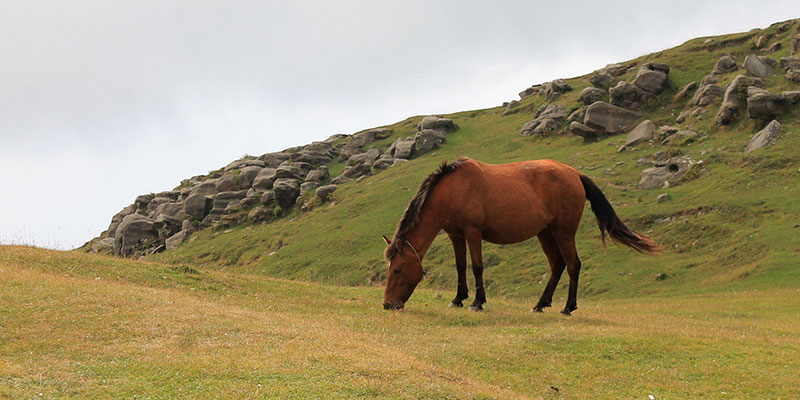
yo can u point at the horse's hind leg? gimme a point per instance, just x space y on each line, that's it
474 242
460 249
566 243
553 254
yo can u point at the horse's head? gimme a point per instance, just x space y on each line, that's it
404 272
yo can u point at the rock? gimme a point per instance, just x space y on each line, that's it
641 133
134 234
263 181
260 214
609 119
663 197
286 192
222 199
198 205
794 44
547 119
428 139
793 75
591 95
602 80
175 240
773 47
617 70
117 218
318 175
141 203
579 129
511 107
652 78
174 210
760 41
724 65
207 188
357 171
765 137
383 163
535 89
790 63
757 66
626 95
755 91
706 94
361 139
577 115
272 160
552 90
227 183
405 148
324 192
268 198
341 179
669 172
244 162
248 202
247 175
684 92
767 106
680 137
103 246
308 186
732 102
436 123
232 207
292 170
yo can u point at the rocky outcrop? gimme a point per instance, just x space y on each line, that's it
602 80
627 95
732 100
642 133
724 65
135 233
652 78
547 119
759 66
591 95
665 174
286 192
766 106
551 90
765 137
609 119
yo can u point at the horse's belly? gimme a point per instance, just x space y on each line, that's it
513 232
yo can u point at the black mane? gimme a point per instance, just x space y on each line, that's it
414 209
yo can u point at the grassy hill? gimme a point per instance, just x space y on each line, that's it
292 308
733 227
74 325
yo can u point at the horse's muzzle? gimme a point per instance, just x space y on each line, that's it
397 305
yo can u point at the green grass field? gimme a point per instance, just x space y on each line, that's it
292 308
74 325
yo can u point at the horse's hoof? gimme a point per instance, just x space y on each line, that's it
478 307
566 313
537 309
454 304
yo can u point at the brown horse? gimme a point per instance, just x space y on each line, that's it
506 203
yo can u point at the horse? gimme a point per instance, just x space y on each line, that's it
502 204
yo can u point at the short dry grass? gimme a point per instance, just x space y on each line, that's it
79 326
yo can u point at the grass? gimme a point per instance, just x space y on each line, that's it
87 326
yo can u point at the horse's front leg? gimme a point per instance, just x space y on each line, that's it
460 249
474 242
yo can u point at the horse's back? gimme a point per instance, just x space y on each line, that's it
515 201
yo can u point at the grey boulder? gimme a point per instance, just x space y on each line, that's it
764 138
324 192
198 205
758 66
609 119
286 192
666 173
134 234
591 95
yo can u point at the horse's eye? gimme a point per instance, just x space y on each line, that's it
397 271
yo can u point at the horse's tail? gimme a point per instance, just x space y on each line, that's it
609 223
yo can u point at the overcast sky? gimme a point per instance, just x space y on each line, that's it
101 101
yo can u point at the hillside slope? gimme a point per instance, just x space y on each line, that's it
730 223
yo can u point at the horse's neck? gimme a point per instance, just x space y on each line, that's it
424 232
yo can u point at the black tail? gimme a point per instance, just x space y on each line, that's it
609 223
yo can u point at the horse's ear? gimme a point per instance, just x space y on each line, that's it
388 242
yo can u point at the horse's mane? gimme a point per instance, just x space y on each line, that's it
414 209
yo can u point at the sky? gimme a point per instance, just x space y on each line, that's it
101 101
